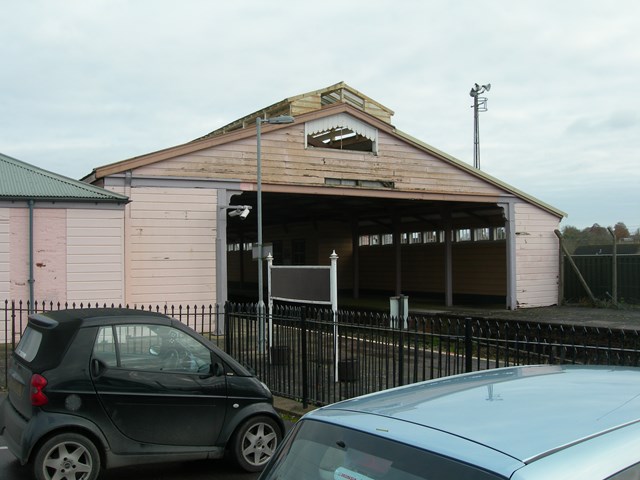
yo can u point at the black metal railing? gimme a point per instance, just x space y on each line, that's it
318 357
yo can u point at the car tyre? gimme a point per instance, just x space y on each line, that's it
67 456
255 442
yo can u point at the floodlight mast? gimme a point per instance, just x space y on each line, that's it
279 120
479 105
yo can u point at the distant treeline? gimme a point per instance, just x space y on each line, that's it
598 240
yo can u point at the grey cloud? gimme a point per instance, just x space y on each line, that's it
620 120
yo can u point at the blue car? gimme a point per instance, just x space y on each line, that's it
535 422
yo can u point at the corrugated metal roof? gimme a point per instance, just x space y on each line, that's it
20 180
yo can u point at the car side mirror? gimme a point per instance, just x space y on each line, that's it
97 367
217 369
249 368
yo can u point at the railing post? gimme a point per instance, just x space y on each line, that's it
468 345
400 352
227 330
305 363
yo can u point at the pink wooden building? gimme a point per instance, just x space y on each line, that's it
61 240
403 216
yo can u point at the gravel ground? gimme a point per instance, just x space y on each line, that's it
624 317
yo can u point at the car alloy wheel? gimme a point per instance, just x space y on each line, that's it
67 456
255 443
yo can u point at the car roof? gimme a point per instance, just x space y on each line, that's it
94 316
63 324
521 413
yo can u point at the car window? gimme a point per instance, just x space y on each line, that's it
631 473
325 452
28 347
105 347
151 347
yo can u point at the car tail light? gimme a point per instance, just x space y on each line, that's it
38 398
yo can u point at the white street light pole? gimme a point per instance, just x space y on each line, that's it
261 306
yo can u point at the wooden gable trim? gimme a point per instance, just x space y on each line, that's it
477 173
179 150
204 143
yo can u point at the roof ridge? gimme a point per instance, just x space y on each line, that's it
288 103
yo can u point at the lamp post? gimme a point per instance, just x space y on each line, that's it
479 105
261 307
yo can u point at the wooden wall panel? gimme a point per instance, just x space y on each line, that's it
377 268
285 160
335 236
423 268
479 268
5 257
170 247
49 254
95 256
537 266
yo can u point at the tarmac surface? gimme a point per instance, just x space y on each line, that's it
626 317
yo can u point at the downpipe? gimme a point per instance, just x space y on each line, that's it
31 280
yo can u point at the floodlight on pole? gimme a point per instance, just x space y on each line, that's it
282 119
479 105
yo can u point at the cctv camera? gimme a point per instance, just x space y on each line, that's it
242 212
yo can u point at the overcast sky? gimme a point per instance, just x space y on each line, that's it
86 83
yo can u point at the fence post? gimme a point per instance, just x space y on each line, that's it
227 330
583 282
614 267
305 363
468 345
400 351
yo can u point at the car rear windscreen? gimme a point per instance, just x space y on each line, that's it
317 450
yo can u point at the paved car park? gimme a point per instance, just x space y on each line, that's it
10 469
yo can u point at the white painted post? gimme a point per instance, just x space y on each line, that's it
270 299
334 281
334 308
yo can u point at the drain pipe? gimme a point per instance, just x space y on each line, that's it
31 279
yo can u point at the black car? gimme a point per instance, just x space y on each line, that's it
102 388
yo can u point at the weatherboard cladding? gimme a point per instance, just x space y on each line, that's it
217 145
19 180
